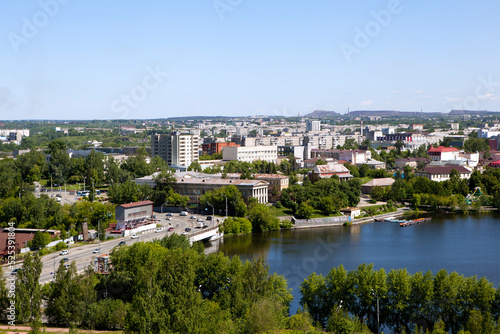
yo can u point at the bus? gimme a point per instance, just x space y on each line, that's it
82 193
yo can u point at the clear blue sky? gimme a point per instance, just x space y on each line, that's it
93 59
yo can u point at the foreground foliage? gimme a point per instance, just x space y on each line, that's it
405 300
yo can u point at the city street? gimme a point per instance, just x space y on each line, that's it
83 256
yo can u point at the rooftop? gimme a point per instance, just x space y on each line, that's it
445 169
383 182
135 204
442 149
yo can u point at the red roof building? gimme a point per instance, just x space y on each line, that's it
495 164
442 153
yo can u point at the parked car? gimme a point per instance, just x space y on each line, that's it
183 213
170 229
135 236
188 229
158 230
65 259
205 226
169 214
192 217
121 243
168 218
199 220
97 250
64 252
209 218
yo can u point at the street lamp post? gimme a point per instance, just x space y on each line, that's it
213 210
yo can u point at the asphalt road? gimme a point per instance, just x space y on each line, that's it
83 256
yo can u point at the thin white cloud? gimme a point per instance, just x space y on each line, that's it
453 99
489 96
367 103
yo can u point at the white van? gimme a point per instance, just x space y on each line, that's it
183 213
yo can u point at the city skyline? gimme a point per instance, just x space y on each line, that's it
92 60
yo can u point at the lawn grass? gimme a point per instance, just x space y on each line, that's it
365 179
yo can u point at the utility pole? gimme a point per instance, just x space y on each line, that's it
226 206
378 312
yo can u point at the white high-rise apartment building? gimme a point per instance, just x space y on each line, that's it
175 148
313 125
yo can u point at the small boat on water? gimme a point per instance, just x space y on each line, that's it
386 219
414 221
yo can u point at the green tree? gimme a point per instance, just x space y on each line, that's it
314 297
261 219
398 295
327 206
195 166
40 239
476 145
305 210
28 292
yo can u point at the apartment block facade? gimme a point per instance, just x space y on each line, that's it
176 149
250 153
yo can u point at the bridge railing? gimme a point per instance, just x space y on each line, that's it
205 230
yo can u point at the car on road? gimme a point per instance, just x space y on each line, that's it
187 229
158 230
135 236
209 218
192 217
169 214
199 220
64 252
121 243
205 226
153 216
58 199
168 218
183 213
65 259
97 250
170 229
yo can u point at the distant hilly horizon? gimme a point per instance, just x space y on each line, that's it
356 113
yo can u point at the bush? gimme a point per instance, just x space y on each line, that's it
237 226
60 246
300 322
305 210
278 205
